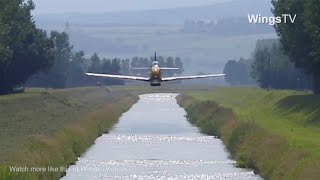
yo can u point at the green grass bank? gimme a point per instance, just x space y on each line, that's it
42 128
277 133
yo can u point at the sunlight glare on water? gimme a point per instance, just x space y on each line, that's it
153 140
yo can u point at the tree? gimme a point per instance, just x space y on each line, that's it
272 68
76 76
95 66
238 72
160 60
300 39
115 69
57 75
260 67
134 62
179 64
125 66
230 69
24 48
169 63
5 52
312 21
59 72
115 66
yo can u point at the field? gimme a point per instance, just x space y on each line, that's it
277 131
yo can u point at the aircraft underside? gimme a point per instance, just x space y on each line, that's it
155 82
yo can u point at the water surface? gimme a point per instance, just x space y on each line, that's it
153 140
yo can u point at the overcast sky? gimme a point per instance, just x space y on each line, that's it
90 6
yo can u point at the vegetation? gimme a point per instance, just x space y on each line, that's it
230 26
271 68
238 72
201 52
69 67
28 56
24 49
274 132
301 39
138 62
56 132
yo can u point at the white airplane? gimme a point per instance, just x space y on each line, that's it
155 78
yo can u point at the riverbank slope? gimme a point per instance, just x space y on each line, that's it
42 128
274 132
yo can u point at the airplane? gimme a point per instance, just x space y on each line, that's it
155 78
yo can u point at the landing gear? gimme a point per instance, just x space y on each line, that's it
155 84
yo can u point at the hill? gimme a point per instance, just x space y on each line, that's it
235 8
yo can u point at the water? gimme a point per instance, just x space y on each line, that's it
153 140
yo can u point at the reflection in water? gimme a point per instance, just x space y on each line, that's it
153 140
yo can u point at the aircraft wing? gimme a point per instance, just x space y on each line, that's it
191 77
119 77
141 68
165 68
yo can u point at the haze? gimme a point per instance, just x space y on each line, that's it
98 6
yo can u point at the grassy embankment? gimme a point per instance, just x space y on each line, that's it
44 128
277 133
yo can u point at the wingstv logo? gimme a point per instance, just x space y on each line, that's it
271 20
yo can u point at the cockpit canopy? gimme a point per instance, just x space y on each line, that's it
155 63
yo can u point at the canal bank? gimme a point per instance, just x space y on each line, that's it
153 140
251 143
54 127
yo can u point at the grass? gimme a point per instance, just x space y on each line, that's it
53 127
291 114
275 132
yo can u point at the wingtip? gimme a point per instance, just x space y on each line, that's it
90 74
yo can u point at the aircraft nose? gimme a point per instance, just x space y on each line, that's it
155 71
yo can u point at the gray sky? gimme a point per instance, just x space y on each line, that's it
91 6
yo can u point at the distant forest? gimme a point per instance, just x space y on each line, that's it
269 67
226 27
292 62
29 56
69 67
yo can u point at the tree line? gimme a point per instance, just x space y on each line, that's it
272 68
269 67
24 48
238 72
225 27
29 56
69 67
301 40
294 61
171 62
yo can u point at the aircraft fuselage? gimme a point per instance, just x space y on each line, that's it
155 76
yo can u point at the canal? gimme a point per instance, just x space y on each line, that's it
154 140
